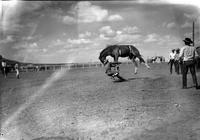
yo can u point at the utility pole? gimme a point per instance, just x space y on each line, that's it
193 32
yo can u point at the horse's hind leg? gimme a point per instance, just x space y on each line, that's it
136 65
145 63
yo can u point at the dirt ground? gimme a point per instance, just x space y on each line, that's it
85 104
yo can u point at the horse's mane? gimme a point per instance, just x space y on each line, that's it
103 51
106 49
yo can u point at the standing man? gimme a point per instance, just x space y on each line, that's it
4 68
187 54
171 59
176 60
17 70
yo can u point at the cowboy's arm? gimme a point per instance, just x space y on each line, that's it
181 53
170 57
196 54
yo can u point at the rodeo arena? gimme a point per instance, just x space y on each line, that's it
122 95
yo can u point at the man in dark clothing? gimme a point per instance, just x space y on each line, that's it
188 54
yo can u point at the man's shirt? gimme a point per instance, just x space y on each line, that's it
176 57
3 64
171 55
188 53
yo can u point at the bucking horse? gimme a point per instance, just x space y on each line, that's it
116 51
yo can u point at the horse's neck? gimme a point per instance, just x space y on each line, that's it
107 53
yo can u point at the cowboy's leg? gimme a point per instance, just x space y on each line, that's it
110 73
193 73
117 68
177 67
2 70
116 60
173 64
17 73
181 65
184 75
5 72
170 66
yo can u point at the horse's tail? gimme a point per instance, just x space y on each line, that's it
135 52
141 59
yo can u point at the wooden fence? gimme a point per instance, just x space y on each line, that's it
47 67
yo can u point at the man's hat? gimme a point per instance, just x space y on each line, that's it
188 40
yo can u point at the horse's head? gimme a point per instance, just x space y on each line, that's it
102 58
103 54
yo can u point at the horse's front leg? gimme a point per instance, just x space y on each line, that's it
136 65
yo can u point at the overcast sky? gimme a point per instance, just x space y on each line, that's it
59 32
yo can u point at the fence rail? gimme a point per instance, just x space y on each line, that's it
53 67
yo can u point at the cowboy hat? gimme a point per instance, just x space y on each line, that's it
188 40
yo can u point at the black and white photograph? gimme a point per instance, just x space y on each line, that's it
100 70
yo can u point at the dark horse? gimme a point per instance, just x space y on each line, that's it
116 51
